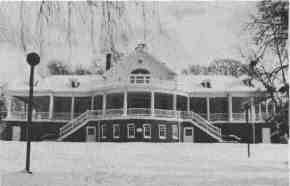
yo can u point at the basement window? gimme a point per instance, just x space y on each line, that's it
131 131
162 131
147 130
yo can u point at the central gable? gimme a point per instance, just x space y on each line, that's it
140 62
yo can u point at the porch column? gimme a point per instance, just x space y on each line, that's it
51 105
9 106
207 109
253 113
92 103
72 107
260 112
188 103
152 103
267 111
230 111
104 104
174 105
125 107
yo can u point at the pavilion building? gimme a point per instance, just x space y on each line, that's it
139 99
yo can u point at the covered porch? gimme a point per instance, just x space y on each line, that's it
138 103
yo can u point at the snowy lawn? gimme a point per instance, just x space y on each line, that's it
117 164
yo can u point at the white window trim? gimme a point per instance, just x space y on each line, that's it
129 126
162 137
145 79
173 136
116 125
146 125
102 131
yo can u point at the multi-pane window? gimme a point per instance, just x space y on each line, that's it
139 79
131 130
104 131
116 131
147 130
162 131
140 76
174 132
91 130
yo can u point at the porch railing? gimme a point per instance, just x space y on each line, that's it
139 111
61 116
23 115
239 116
165 113
66 116
114 112
219 117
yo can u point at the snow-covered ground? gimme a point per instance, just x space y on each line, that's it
78 164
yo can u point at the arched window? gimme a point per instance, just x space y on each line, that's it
140 76
140 71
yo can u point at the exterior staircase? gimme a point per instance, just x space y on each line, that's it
73 125
197 120
205 126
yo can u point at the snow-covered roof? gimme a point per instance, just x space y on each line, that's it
218 83
61 83
88 83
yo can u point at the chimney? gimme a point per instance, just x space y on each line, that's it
108 61
141 47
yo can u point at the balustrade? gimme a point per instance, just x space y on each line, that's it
66 116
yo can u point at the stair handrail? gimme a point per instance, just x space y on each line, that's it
72 123
206 124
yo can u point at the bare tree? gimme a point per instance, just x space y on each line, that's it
270 34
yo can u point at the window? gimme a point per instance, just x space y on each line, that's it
147 130
116 131
162 131
91 130
131 130
206 84
188 132
174 132
140 76
104 131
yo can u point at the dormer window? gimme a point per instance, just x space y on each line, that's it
140 76
74 83
206 84
248 82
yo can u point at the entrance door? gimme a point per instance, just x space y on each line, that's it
266 135
16 133
91 133
188 134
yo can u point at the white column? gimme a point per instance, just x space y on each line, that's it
207 109
267 111
188 103
174 102
260 112
174 105
104 104
51 105
92 103
72 107
9 106
125 106
230 112
253 113
274 107
152 103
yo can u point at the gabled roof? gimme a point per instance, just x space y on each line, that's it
129 61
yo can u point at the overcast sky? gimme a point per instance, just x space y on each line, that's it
199 32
